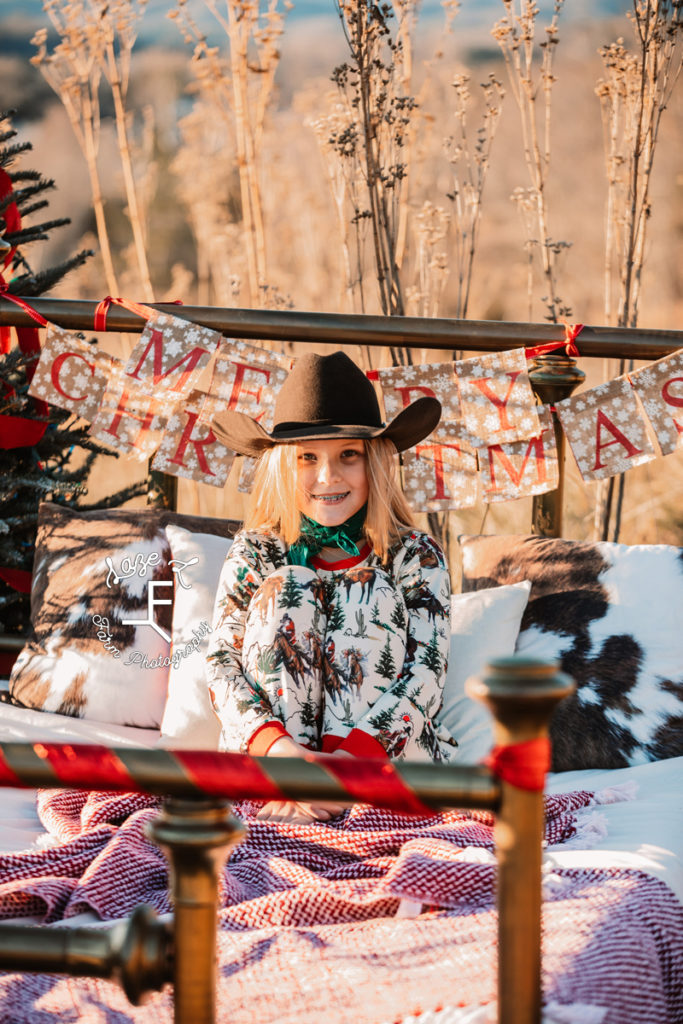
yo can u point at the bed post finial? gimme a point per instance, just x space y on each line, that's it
195 833
522 694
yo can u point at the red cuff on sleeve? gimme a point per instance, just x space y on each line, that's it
362 744
262 740
330 743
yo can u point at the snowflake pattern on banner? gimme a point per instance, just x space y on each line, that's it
170 355
246 379
402 385
186 447
605 429
441 473
497 402
137 419
660 388
521 467
71 374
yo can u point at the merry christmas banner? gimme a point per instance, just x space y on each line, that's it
493 439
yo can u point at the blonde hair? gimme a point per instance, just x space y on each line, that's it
273 504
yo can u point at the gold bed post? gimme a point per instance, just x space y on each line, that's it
553 377
522 694
195 833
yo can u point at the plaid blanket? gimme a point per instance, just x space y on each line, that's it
374 918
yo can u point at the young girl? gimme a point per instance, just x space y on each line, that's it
332 615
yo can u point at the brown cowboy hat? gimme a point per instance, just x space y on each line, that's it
325 397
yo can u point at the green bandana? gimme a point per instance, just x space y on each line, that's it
314 537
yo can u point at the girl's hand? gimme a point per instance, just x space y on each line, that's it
299 812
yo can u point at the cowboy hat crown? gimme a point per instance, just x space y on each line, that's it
326 397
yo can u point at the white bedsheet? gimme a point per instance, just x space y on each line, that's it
20 827
644 833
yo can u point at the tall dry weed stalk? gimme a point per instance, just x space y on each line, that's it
531 85
431 236
240 86
372 138
633 94
118 25
345 182
470 160
96 39
74 71
206 189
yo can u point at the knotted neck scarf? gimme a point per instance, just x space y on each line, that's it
314 537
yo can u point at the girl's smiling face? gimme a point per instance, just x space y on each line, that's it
332 480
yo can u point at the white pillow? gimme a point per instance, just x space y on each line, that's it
189 721
484 625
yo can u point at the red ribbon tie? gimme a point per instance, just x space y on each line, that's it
524 765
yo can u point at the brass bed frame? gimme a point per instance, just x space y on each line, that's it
145 953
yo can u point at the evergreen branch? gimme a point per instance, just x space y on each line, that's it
35 231
116 500
11 597
21 195
10 152
24 175
22 522
31 285
40 205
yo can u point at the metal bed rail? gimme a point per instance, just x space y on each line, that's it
196 830
553 377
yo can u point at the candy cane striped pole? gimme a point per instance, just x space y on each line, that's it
406 787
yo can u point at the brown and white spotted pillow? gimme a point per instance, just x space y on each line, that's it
101 613
611 615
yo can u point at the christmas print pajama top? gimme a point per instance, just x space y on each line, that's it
349 656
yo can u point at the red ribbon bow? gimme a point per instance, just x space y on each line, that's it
571 333
524 765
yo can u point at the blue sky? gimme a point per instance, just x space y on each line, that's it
471 10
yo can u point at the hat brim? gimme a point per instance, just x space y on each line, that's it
244 435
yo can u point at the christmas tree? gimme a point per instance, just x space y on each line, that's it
39 444
431 656
385 666
291 592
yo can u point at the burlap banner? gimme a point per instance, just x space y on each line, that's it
170 355
188 435
660 388
493 440
441 472
71 374
605 429
498 404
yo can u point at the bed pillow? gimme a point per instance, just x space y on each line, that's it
484 625
611 615
94 652
189 720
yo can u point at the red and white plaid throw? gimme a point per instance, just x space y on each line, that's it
309 926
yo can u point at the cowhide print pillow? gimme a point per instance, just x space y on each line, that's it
101 614
612 616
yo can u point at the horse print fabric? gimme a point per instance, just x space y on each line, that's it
94 652
611 615
353 658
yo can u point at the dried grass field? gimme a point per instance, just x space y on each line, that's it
240 178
